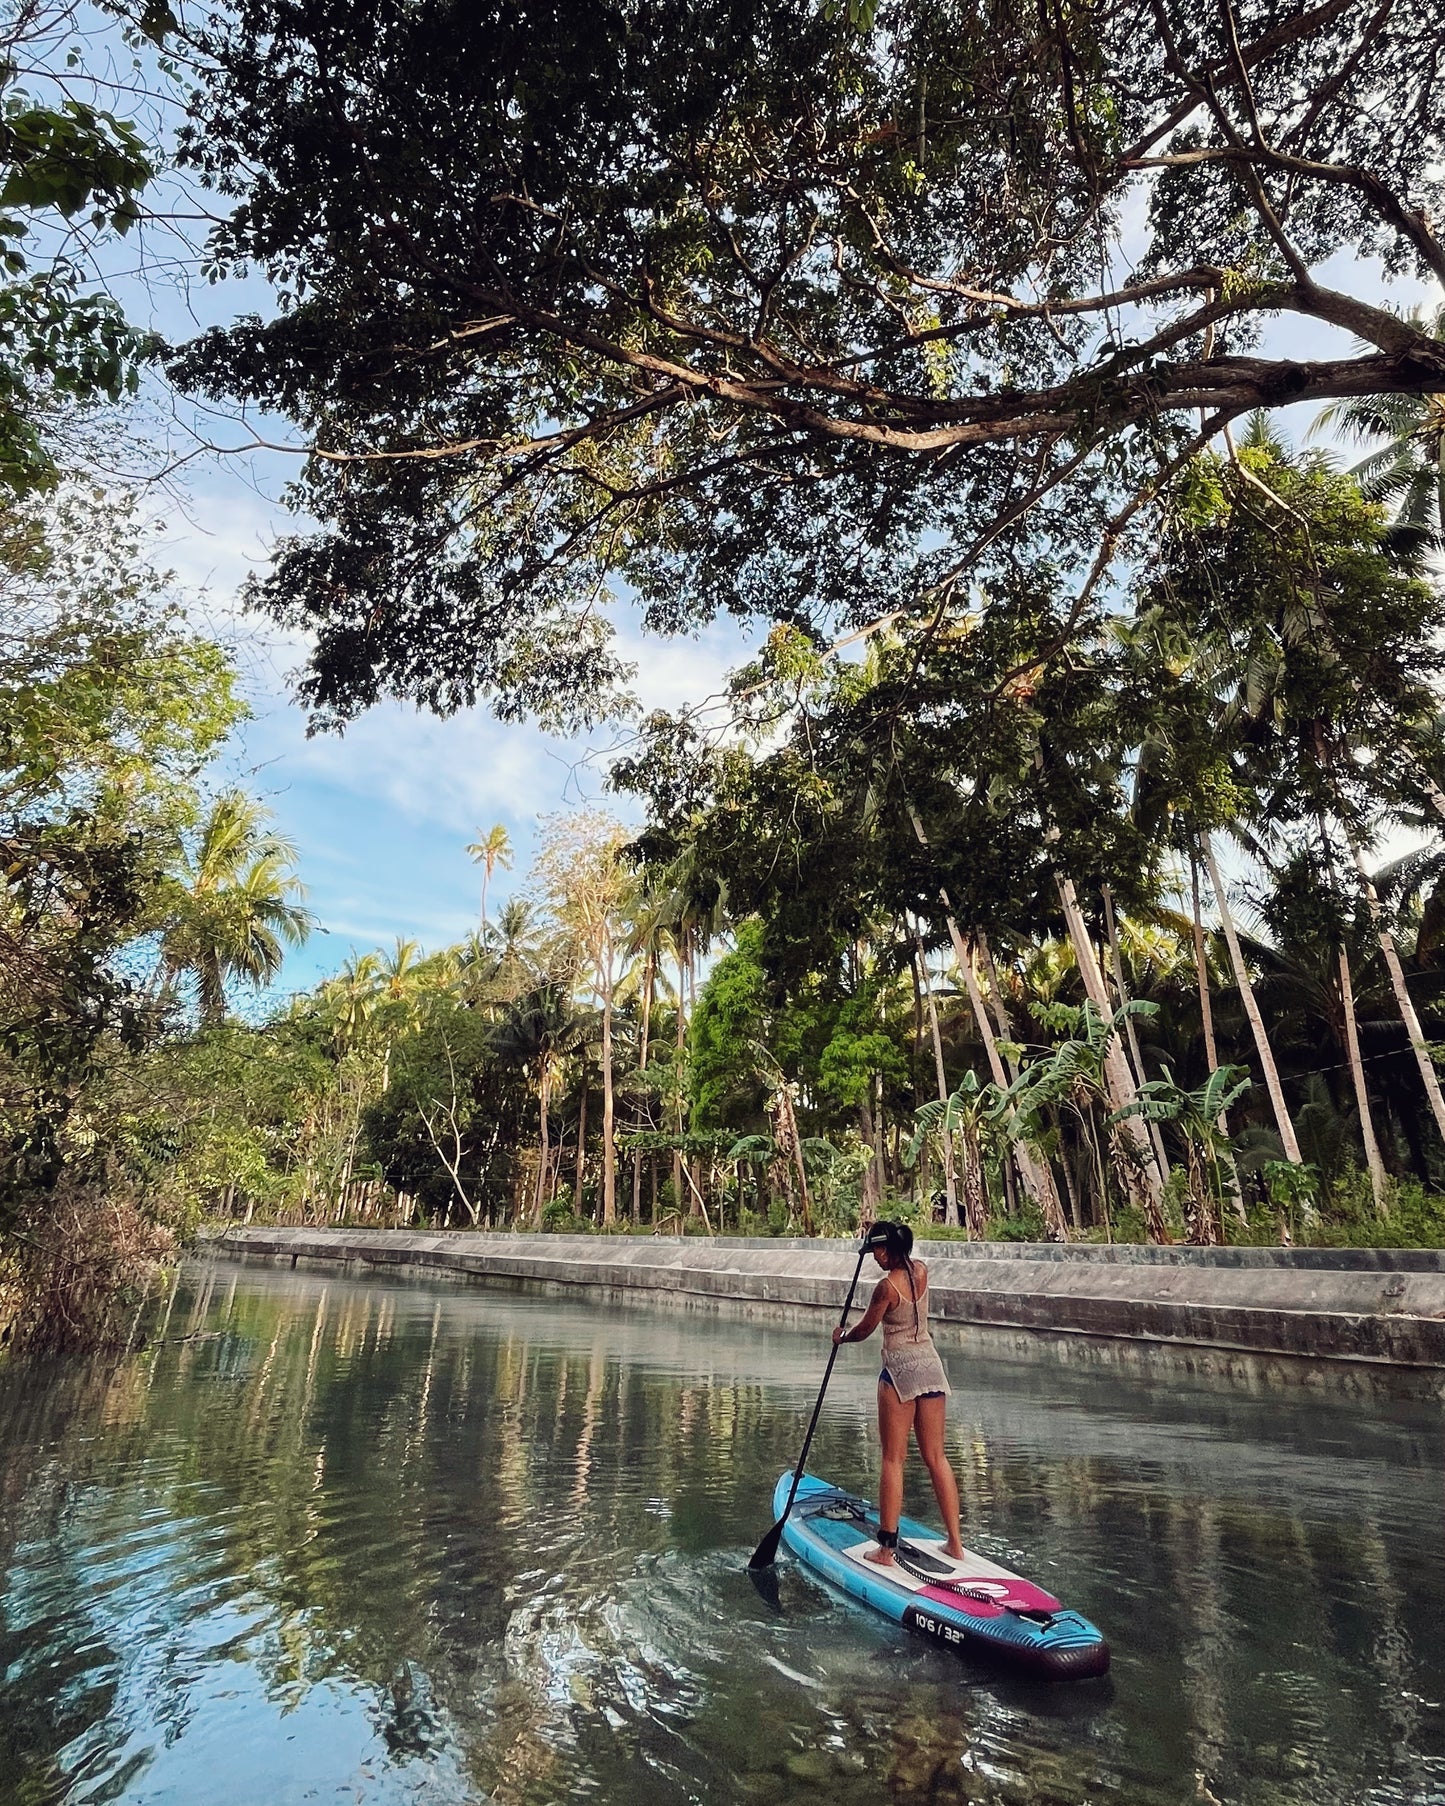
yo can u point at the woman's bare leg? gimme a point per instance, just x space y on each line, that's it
928 1425
895 1420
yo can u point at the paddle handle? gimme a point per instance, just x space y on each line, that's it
827 1375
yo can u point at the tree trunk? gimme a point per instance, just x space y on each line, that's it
920 970
872 1193
694 1164
995 999
1251 1007
1211 1052
1148 1186
678 1193
581 1151
1077 1219
880 1139
790 1147
1201 969
609 1150
544 1089
975 1206
1033 1170
649 969
1428 1075
1379 1186
1121 986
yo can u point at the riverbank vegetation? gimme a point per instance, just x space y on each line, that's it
138 887
1066 862
1110 952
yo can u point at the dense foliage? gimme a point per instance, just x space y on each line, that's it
71 177
1037 876
118 913
805 312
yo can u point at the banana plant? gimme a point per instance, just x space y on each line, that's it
966 1118
1074 1077
1208 1151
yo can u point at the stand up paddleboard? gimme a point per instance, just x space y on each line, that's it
972 1606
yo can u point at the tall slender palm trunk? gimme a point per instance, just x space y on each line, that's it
1405 1003
1288 1139
649 973
950 1189
1121 985
1117 1077
609 1143
1379 1185
1034 1171
997 1007
677 1190
1206 1017
581 1171
544 1155
1201 970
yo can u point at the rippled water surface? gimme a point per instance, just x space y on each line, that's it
373 1541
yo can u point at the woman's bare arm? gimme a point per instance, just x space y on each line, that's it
882 1298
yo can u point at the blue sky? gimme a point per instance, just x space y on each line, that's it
382 814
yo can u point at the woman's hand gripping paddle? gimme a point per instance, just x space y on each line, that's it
766 1552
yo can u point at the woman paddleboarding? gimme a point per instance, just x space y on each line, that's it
913 1389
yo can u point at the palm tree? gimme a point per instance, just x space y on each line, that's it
516 939
691 912
1407 468
1033 1168
492 850
646 933
238 905
539 1031
924 981
399 972
1268 1065
351 997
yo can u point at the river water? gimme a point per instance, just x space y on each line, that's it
369 1540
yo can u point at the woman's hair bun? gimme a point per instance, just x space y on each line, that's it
896 1239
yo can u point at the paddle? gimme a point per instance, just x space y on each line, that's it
766 1552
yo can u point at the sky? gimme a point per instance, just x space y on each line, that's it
381 816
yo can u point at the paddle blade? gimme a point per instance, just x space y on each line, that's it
766 1552
765 1584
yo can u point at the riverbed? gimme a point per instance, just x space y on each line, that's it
384 1540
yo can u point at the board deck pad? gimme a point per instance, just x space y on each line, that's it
990 1587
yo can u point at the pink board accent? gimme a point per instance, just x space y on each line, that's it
988 1598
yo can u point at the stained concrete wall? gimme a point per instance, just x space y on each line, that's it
1384 1308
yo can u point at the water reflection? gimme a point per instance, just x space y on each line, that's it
374 1541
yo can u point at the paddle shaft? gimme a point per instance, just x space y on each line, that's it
767 1549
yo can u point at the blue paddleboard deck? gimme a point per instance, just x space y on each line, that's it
973 1606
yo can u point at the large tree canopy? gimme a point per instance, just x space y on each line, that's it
794 309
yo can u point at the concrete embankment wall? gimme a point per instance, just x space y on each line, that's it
1375 1314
